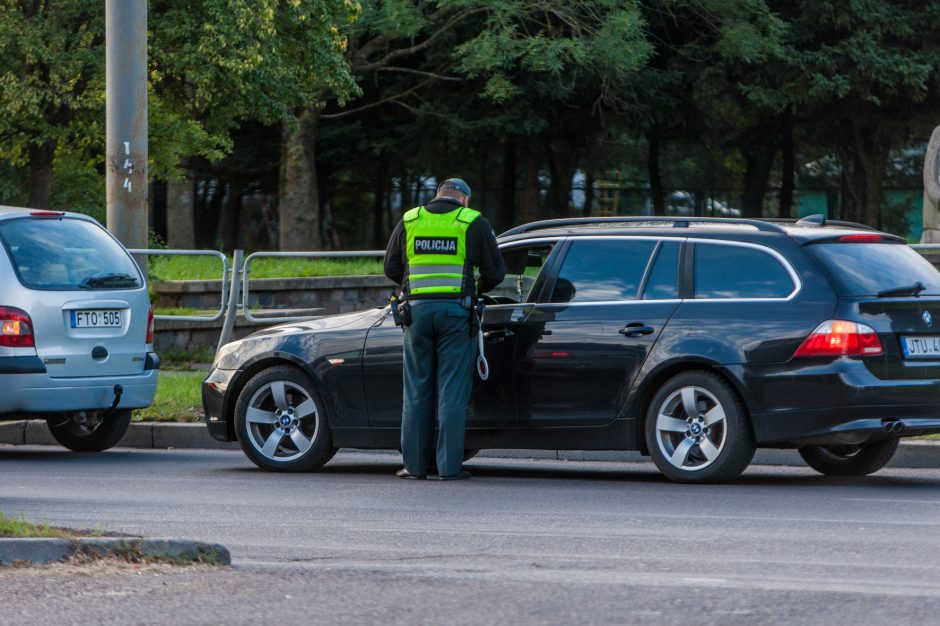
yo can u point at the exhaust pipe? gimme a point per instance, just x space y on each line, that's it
893 426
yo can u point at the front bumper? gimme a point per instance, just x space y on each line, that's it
821 402
39 393
214 398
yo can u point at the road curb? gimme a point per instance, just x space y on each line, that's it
41 550
914 454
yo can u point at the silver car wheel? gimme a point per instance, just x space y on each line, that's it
691 428
282 421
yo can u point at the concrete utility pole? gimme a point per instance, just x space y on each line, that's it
126 104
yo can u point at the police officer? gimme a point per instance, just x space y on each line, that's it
432 254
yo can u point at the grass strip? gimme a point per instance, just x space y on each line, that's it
10 527
209 268
178 399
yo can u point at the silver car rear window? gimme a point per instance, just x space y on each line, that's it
65 254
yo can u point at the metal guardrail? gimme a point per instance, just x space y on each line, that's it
225 282
236 285
245 270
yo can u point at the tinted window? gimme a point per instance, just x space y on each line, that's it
602 271
723 271
662 283
523 272
67 254
864 269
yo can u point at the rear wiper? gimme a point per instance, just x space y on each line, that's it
910 290
109 280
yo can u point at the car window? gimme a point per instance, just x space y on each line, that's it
865 269
724 271
602 270
663 283
524 275
67 254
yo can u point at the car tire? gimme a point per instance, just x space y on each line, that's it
698 429
74 430
281 422
850 460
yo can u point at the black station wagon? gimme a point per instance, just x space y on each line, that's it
693 340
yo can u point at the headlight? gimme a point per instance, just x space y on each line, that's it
224 351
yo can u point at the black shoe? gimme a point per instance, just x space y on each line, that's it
461 475
403 473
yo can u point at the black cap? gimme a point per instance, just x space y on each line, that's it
455 183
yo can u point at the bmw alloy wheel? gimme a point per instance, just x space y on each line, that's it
691 429
282 421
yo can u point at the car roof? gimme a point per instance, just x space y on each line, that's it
7 212
802 231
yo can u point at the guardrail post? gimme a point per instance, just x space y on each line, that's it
231 311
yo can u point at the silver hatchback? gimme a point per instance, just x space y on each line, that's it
76 328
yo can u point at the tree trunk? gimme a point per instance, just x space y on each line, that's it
180 231
653 143
299 202
208 222
40 174
588 210
759 160
872 150
531 209
787 183
507 215
562 164
231 217
379 183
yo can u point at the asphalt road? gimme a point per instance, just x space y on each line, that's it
541 542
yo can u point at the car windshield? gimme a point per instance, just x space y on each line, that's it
67 254
870 269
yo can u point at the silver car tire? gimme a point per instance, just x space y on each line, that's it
281 422
89 431
698 430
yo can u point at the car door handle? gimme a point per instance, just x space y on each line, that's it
636 329
497 336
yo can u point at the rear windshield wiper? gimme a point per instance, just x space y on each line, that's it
910 290
113 281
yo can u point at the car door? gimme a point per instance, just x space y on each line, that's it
582 345
493 401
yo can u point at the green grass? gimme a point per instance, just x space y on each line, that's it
178 399
208 268
21 528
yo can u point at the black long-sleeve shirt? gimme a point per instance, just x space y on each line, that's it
482 251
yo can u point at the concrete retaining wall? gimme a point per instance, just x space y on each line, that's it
296 296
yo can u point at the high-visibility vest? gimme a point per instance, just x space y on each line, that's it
436 251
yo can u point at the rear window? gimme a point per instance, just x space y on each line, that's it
864 269
67 254
726 271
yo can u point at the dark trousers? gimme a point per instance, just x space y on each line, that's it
438 375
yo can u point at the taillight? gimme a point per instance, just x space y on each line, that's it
16 329
150 327
841 338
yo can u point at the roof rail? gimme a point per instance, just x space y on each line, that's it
677 222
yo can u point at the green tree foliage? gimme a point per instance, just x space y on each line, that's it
51 86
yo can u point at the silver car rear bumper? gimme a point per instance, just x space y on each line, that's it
38 393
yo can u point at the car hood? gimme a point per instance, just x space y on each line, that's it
329 322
